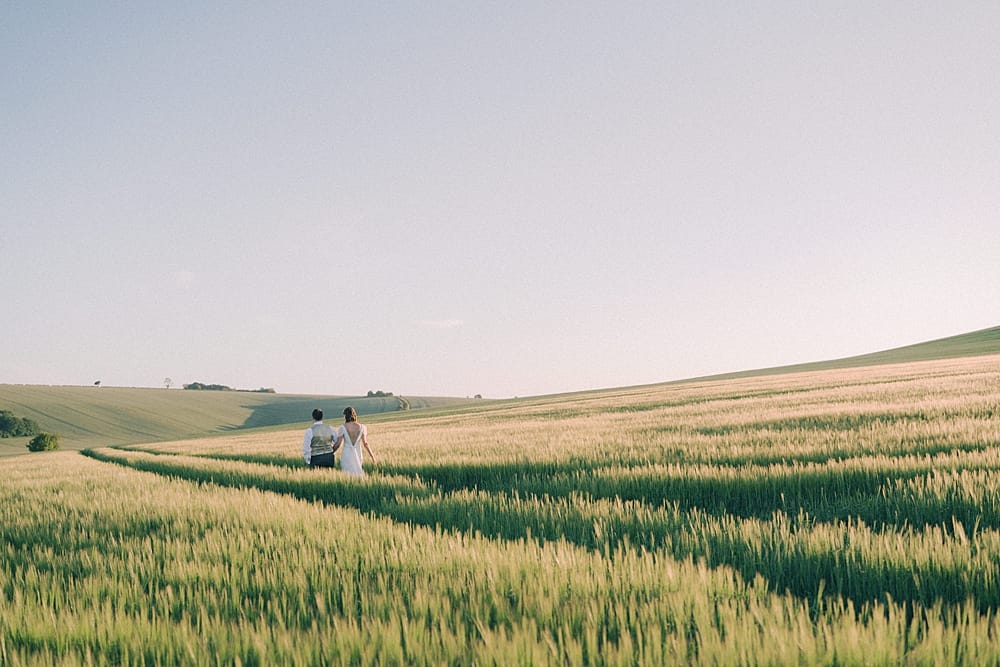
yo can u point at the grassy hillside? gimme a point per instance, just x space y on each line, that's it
96 416
973 344
101 416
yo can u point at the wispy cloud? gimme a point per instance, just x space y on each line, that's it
441 324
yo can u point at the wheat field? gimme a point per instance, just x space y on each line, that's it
837 517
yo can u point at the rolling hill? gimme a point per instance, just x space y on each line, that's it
96 416
101 416
973 344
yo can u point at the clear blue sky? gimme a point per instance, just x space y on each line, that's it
451 198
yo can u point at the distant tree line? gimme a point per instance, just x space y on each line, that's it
379 394
12 426
201 386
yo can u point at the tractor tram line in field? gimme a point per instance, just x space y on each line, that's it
838 517
864 552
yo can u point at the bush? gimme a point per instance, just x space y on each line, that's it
12 426
44 442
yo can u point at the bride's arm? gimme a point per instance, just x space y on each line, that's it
364 441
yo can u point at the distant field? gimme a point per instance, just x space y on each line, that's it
847 516
101 416
973 344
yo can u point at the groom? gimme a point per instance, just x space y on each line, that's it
317 446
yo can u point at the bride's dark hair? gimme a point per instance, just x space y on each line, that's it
350 415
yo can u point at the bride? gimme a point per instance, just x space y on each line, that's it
353 436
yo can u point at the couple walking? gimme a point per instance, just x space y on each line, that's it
321 442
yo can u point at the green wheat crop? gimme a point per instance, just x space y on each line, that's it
837 517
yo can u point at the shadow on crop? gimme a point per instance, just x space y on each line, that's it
286 410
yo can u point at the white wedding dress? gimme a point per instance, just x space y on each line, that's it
350 459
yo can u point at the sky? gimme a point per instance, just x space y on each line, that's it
505 199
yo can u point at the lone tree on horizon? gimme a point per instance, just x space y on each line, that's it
167 382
